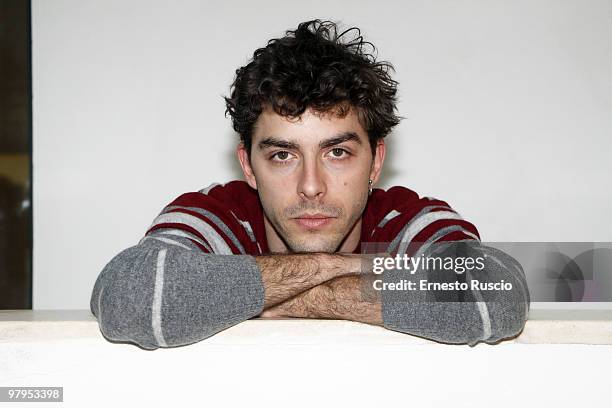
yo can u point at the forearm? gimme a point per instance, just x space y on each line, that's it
287 275
157 294
460 316
345 297
164 293
477 317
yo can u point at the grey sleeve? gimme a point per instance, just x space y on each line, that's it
460 317
165 294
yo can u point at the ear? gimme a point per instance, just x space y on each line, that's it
379 159
245 163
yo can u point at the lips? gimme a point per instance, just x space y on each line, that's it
313 221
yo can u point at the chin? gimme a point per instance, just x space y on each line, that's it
310 246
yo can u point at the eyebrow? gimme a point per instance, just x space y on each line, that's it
333 141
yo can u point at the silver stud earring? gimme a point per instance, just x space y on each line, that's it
370 188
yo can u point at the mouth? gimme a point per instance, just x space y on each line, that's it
314 221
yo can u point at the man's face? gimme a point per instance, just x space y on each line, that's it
312 178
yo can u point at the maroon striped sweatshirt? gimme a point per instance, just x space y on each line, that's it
194 274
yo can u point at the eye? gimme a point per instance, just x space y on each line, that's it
280 156
339 153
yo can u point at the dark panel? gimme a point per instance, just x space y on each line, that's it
15 156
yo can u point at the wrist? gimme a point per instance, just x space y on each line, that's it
335 265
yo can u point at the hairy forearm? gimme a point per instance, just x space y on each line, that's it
287 275
345 297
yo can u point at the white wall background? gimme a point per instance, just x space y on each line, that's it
508 107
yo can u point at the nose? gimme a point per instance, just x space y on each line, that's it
312 184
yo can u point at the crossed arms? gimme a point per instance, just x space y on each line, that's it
165 292
319 285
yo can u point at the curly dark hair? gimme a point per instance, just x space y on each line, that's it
312 68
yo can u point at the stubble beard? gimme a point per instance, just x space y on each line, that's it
316 241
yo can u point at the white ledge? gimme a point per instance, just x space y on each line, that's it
306 363
542 327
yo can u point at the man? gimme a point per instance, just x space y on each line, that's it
312 112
